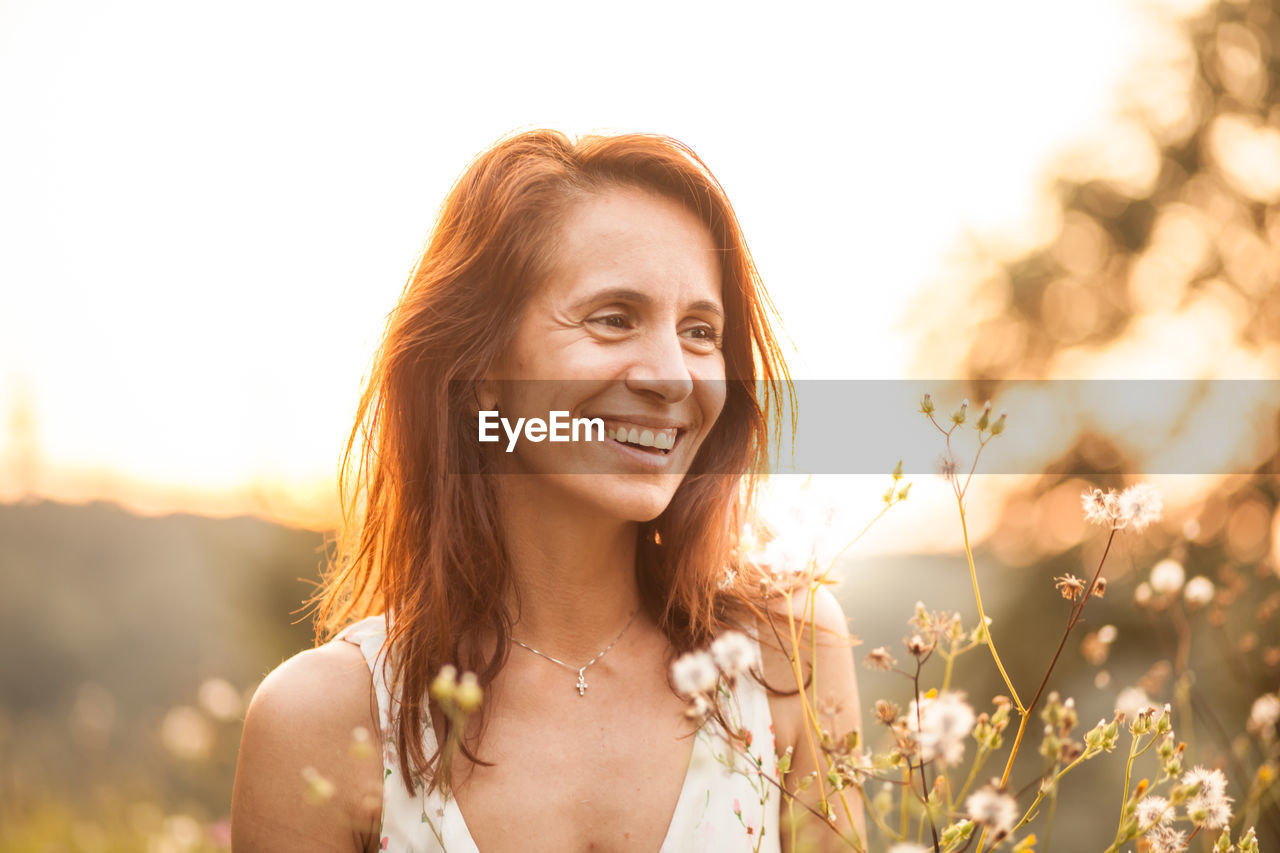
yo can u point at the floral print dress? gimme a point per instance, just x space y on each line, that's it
724 804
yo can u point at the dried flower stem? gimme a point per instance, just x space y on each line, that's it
982 616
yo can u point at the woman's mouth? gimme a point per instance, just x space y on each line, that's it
653 440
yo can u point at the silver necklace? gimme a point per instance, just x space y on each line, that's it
581 670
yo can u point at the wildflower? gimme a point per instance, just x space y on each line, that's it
1263 715
1135 507
1141 505
694 674
1198 591
1153 810
947 466
733 653
1132 700
468 694
1167 577
1102 508
918 646
1210 806
941 724
1166 839
886 712
1070 586
994 809
727 580
361 743
1099 588
879 658
445 684
318 789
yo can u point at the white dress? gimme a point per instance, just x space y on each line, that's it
719 808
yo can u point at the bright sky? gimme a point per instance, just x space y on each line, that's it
208 210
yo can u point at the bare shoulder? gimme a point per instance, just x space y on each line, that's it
306 777
819 618
824 657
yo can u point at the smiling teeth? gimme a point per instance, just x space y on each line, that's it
661 439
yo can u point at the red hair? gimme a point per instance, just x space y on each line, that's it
417 537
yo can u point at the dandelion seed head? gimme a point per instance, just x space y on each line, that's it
992 808
941 724
733 653
1210 807
1152 810
694 674
1166 839
1141 505
1198 591
1264 715
879 658
1167 577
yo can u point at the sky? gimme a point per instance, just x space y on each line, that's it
208 210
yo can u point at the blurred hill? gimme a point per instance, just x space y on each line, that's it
128 647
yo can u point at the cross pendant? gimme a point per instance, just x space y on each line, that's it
582 684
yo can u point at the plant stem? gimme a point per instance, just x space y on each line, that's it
982 616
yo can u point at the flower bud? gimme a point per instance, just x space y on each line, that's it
998 426
984 420
904 491
897 471
468 694
959 415
926 405
445 683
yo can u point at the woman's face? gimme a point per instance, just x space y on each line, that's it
627 328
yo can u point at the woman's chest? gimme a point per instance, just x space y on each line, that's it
572 776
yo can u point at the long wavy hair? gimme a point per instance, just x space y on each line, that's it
417 541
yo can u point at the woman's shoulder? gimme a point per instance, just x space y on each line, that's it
309 774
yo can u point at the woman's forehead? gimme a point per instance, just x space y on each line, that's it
632 238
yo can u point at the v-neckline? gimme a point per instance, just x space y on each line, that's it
698 743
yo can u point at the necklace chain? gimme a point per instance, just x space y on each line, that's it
581 670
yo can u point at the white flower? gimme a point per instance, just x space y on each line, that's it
1166 839
1135 507
1211 807
734 653
694 674
943 724
1132 700
1198 591
1153 810
992 808
1102 508
1167 577
1264 715
1140 505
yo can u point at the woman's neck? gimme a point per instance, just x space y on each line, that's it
574 574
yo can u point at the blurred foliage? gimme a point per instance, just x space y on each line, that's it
1165 263
128 649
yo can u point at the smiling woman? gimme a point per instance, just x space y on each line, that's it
603 280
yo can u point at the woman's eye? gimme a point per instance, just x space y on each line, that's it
703 333
612 321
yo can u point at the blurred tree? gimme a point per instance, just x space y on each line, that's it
1164 263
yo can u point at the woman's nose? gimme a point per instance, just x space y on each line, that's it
660 368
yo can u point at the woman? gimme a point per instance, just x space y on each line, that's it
608 279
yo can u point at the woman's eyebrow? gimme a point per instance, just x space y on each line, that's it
626 294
